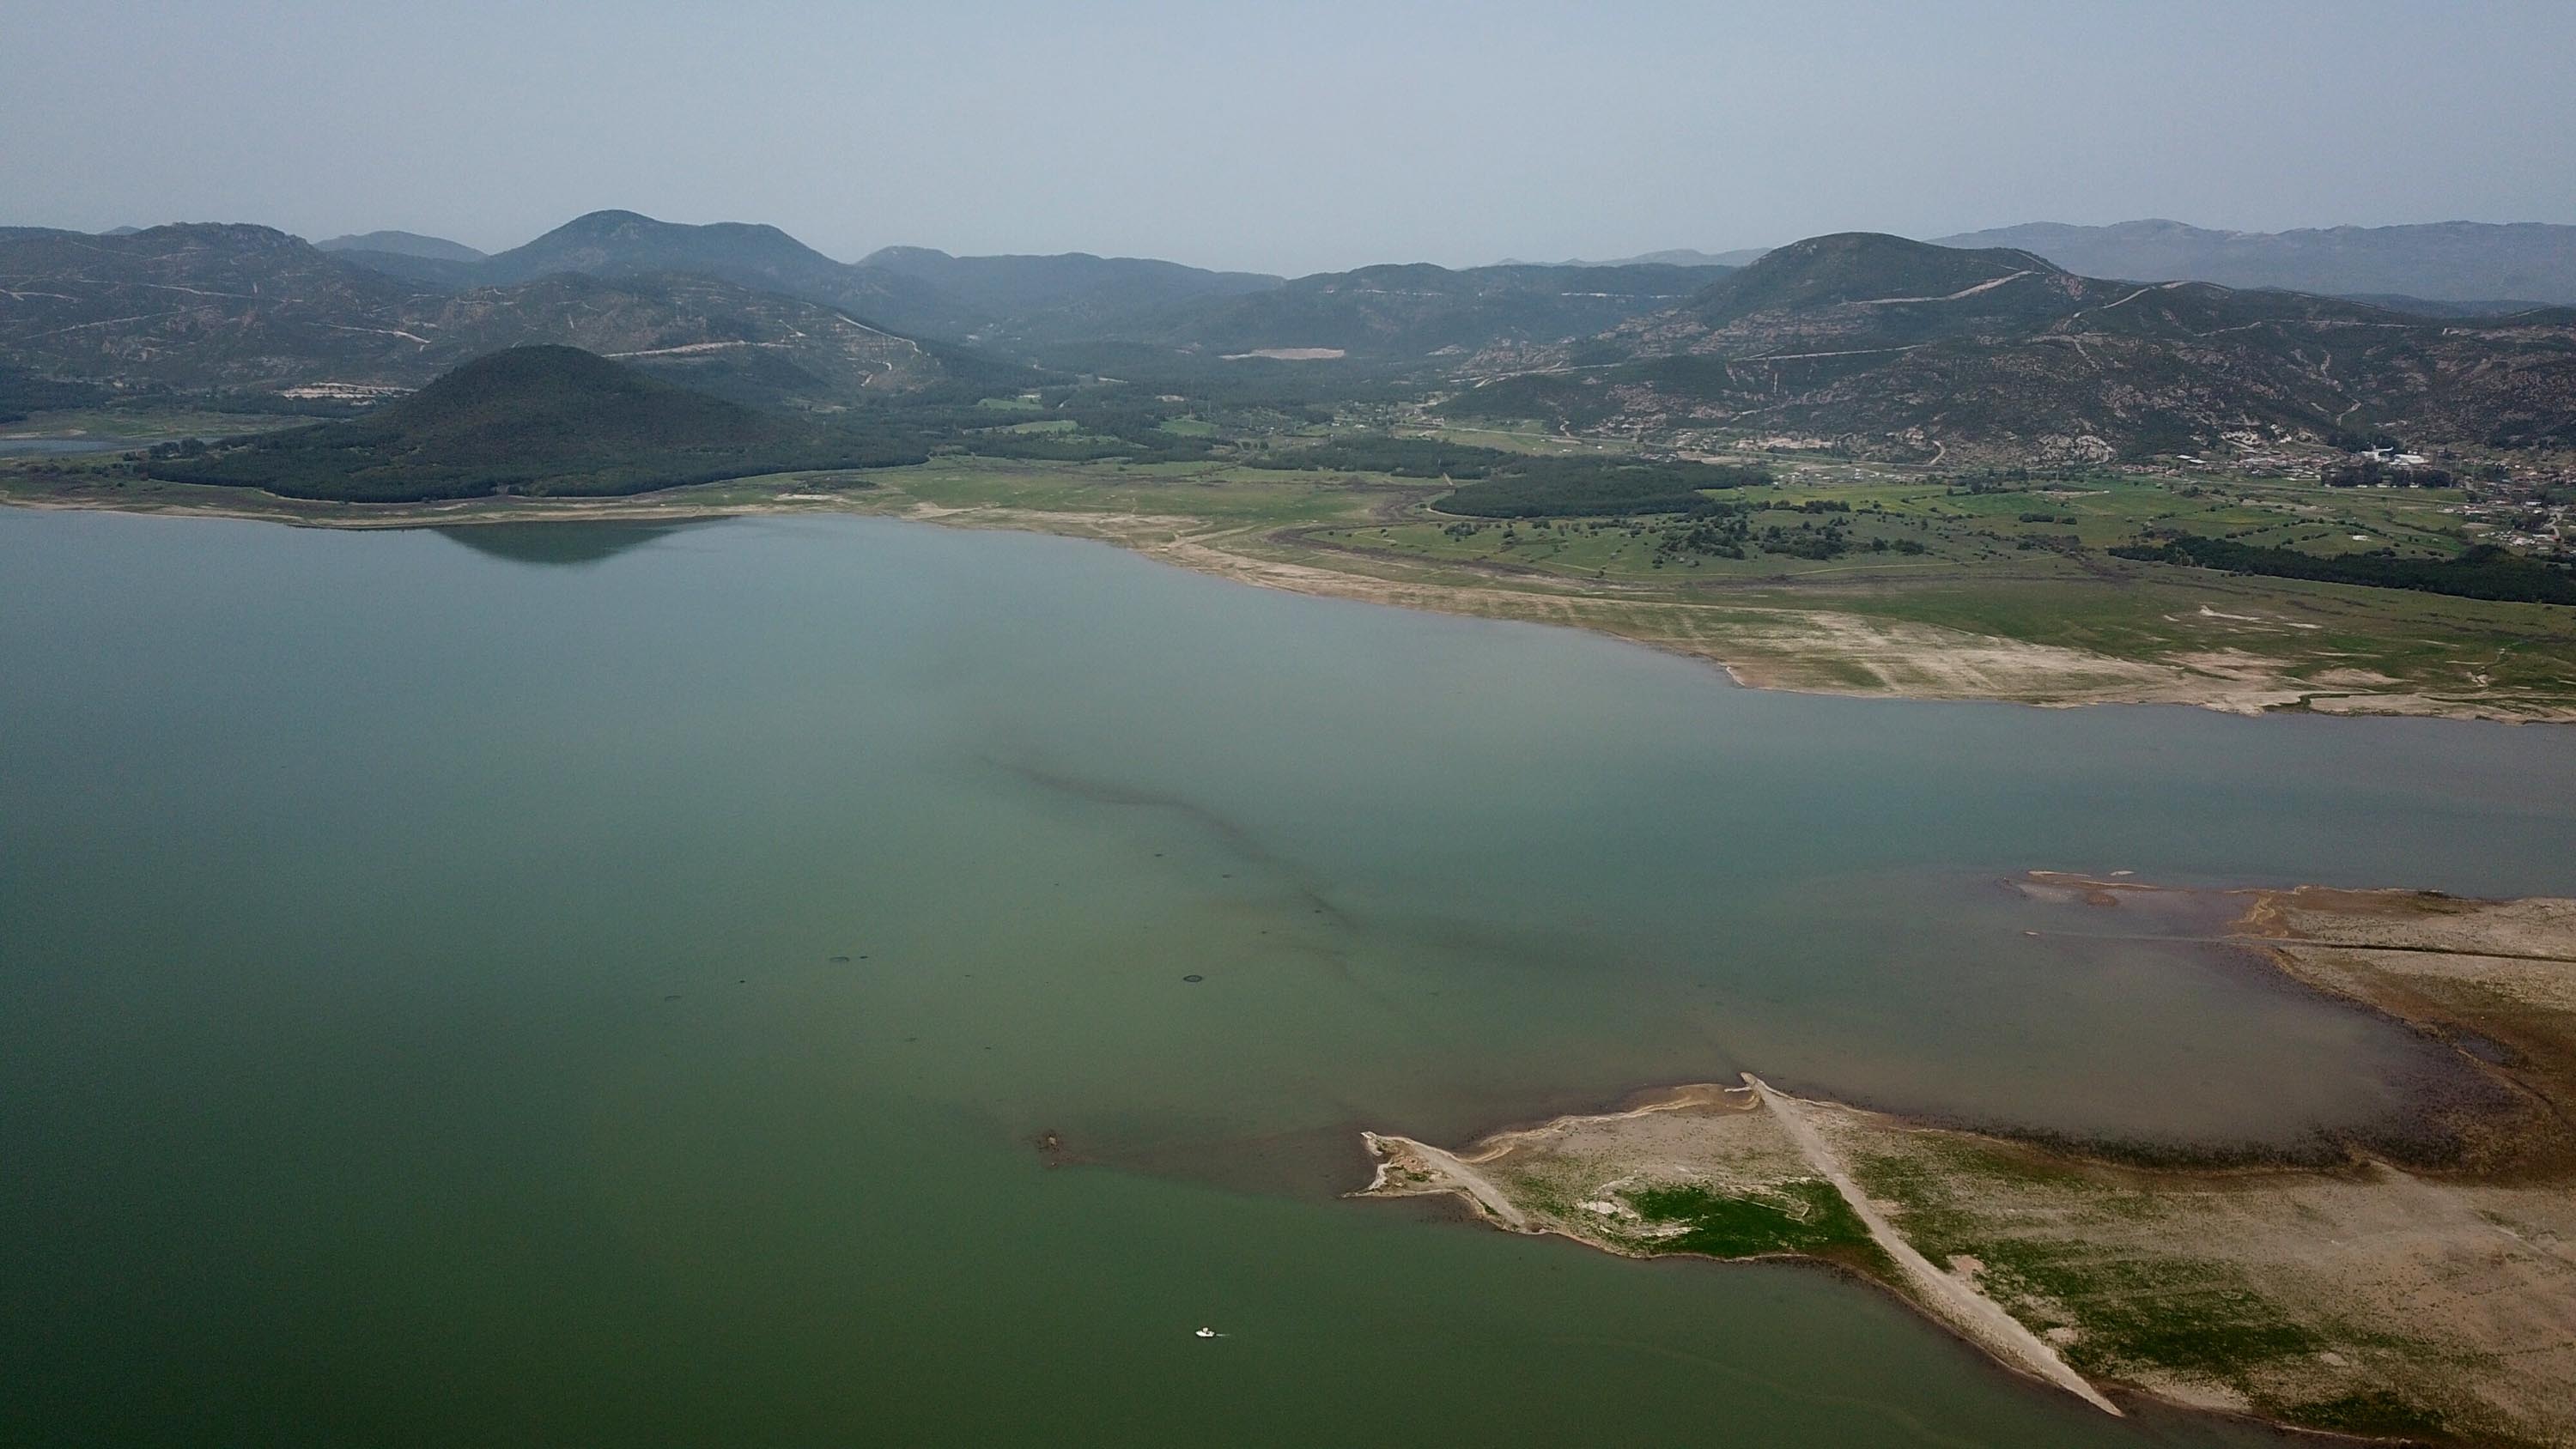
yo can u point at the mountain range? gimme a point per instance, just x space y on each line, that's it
1904 348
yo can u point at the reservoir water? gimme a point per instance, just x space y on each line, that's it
605 984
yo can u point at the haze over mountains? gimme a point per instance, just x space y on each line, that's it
2451 261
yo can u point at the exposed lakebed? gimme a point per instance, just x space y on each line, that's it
424 1016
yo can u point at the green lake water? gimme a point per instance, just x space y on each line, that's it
424 1016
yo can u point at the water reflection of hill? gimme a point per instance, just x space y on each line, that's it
557 543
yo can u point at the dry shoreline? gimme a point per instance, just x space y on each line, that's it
1759 645
2427 1300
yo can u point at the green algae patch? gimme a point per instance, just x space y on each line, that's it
1792 1217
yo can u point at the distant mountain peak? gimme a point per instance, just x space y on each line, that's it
402 244
1866 267
627 243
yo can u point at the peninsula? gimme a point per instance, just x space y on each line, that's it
2422 1287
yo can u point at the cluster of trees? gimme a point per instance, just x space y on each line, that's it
1721 532
1396 457
2482 572
2372 473
1807 540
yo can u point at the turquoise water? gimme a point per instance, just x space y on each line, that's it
421 1018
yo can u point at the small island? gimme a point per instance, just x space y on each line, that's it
2423 1288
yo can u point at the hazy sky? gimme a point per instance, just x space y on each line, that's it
1284 136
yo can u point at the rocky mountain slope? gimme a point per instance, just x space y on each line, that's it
1911 349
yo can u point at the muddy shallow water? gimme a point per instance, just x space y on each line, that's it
606 987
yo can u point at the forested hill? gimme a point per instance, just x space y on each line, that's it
539 420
